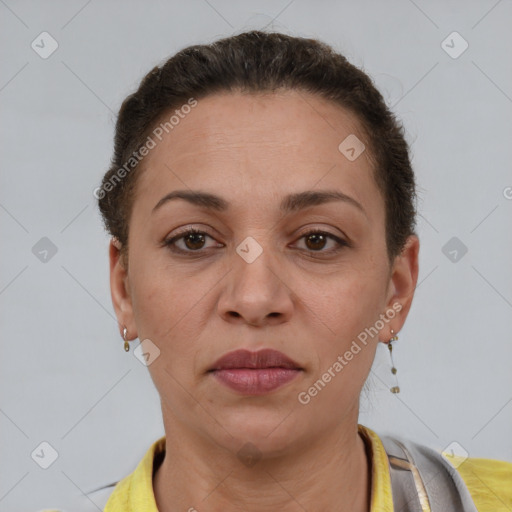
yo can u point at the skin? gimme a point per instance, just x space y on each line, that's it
296 297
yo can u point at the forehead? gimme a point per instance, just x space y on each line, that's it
258 147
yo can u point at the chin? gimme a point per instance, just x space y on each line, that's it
271 432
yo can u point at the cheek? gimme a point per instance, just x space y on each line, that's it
349 308
350 301
159 302
171 309
163 314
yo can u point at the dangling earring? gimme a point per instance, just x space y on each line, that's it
394 389
126 344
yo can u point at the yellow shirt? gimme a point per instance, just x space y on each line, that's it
489 481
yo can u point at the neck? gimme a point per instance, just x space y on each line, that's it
329 473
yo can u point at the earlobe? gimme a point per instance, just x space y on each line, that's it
119 287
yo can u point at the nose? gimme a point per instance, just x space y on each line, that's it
255 294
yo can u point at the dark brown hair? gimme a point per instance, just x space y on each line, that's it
256 62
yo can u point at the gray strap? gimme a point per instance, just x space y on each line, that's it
445 490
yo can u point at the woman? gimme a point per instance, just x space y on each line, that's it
261 204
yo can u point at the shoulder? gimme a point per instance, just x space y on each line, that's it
119 498
133 492
489 481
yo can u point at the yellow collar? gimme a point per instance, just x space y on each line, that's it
381 498
135 492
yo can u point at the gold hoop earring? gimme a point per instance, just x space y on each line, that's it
394 389
126 344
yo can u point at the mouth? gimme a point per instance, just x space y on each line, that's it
266 358
255 373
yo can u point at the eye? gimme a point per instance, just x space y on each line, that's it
315 241
193 239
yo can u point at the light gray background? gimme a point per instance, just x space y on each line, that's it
65 377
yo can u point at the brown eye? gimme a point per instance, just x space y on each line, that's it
192 240
315 241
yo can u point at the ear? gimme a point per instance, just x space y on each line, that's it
402 285
120 290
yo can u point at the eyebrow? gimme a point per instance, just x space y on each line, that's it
290 203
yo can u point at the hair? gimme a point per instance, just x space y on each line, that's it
260 62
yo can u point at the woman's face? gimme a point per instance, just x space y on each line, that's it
253 280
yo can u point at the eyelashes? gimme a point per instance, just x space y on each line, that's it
201 236
171 242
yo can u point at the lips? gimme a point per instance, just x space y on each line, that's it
266 358
255 373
